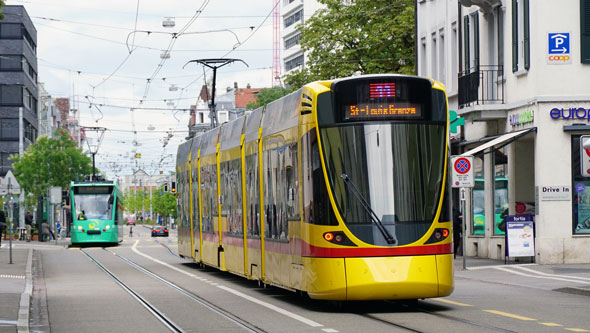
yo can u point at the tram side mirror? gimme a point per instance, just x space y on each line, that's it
291 194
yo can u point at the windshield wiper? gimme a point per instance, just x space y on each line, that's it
367 207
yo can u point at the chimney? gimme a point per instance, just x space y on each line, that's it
235 85
248 86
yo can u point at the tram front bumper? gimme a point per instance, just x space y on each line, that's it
397 278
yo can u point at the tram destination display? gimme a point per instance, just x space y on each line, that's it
383 100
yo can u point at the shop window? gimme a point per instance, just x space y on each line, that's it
580 192
500 191
478 221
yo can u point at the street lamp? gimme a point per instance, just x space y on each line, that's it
93 147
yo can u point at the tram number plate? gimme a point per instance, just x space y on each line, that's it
93 232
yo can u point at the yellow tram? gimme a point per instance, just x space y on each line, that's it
338 190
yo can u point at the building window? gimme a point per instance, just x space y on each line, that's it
442 76
471 42
9 129
500 26
287 2
11 63
423 70
434 58
292 41
454 62
292 19
11 95
222 117
201 118
11 30
521 51
580 192
295 62
585 30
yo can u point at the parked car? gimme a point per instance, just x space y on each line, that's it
159 231
130 221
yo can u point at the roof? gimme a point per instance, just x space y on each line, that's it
245 96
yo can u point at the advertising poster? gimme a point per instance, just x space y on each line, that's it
583 209
520 236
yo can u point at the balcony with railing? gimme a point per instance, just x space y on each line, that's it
481 85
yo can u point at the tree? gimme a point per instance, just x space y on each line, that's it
2 4
363 37
267 95
163 203
50 162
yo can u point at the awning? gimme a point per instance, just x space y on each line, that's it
500 141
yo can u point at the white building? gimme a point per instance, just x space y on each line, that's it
294 12
522 67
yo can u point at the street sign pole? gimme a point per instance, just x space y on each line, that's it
11 224
463 226
462 178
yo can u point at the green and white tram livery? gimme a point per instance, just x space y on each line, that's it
97 213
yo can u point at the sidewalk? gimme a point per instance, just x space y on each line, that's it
568 278
16 283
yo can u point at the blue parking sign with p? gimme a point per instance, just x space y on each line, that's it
559 43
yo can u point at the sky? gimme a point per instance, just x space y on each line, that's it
106 57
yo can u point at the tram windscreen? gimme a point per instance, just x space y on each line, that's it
93 202
391 167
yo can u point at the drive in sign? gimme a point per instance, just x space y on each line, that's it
462 171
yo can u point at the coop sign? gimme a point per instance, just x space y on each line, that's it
570 113
522 118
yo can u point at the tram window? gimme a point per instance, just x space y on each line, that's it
322 209
252 197
209 193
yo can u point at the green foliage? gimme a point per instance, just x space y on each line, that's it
365 37
267 95
2 4
50 162
163 203
138 201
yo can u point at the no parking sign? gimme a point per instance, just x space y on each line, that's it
462 171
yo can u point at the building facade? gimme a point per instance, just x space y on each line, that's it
294 12
18 83
515 70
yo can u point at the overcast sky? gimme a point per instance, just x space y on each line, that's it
88 51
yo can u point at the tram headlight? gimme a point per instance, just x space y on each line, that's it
337 237
440 234
80 227
108 227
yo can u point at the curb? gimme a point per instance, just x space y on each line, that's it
25 297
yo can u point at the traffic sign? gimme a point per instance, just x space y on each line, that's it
462 171
9 184
558 48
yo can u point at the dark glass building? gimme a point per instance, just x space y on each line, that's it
18 82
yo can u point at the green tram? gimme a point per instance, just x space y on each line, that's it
96 213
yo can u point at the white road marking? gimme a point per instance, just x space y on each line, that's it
540 275
552 275
272 307
233 291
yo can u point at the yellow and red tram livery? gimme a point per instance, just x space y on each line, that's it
338 190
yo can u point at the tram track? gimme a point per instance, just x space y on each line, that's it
243 324
417 308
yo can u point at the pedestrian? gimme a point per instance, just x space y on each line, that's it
28 225
130 231
457 230
46 232
2 224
